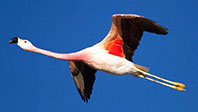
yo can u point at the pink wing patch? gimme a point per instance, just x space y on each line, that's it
115 47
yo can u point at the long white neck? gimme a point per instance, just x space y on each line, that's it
62 56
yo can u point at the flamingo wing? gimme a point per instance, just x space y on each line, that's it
84 77
126 32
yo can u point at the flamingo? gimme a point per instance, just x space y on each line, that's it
112 55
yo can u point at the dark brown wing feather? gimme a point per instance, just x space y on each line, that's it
130 29
84 77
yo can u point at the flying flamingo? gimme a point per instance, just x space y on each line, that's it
112 55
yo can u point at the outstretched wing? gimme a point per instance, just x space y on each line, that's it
84 77
126 32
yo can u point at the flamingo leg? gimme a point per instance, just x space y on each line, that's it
175 85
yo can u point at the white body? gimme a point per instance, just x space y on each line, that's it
100 59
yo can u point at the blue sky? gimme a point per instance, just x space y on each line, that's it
32 82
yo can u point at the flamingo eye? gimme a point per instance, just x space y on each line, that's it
25 41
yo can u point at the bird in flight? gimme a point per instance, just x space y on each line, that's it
112 55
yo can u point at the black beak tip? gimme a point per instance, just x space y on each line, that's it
10 42
13 40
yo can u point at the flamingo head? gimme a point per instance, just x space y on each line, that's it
24 44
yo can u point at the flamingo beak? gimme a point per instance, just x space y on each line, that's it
14 40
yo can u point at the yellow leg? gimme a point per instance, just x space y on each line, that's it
162 79
165 84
